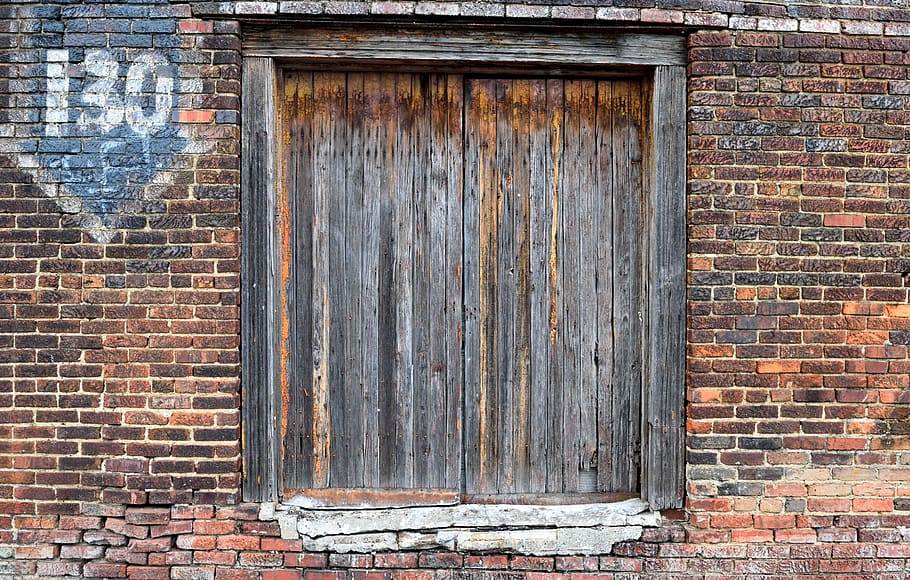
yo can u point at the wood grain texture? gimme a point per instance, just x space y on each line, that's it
433 44
259 292
627 211
666 258
475 304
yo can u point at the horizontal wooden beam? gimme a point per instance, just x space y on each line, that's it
434 44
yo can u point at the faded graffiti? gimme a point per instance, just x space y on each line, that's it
108 132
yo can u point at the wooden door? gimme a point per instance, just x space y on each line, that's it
465 286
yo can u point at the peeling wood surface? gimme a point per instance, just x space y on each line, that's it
464 315
435 44
368 498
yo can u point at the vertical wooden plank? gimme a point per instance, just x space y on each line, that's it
436 139
402 280
586 386
369 295
292 441
541 209
298 120
334 91
454 287
423 239
354 201
603 235
521 182
388 340
324 185
666 214
627 285
569 269
488 202
475 148
503 261
259 284
555 356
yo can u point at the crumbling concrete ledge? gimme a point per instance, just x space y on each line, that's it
540 530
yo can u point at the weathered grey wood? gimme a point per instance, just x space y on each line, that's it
569 272
603 228
521 350
331 92
298 456
406 95
372 192
445 44
424 390
555 427
505 302
666 215
589 330
627 285
436 173
540 223
354 201
388 402
473 357
454 260
485 119
259 292
324 187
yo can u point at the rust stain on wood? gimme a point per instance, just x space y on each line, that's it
554 274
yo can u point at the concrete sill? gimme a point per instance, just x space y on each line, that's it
540 530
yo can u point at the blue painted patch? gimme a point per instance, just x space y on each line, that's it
109 126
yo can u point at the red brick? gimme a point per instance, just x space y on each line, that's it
104 570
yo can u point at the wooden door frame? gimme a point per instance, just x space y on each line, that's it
659 59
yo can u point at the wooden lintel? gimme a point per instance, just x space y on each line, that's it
439 45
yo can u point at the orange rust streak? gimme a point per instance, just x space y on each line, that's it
284 227
553 227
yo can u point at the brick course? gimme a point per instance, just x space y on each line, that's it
119 303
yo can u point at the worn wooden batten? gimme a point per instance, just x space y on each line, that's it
467 277
480 45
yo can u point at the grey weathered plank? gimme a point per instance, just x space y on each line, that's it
331 89
485 119
471 285
436 172
430 44
420 264
586 387
298 455
503 256
570 267
402 279
324 185
627 285
541 194
521 351
373 158
388 402
454 260
259 262
555 427
666 214
603 231
353 199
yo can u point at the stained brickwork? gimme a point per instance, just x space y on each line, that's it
119 276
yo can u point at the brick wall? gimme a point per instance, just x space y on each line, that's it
119 305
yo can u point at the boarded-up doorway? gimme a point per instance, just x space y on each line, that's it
464 292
